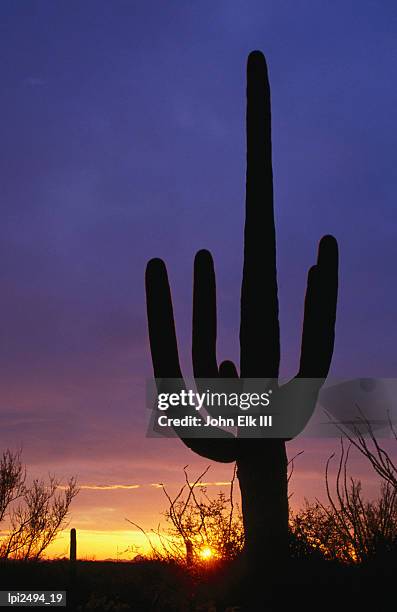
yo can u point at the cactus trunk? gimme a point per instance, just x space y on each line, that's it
73 545
262 474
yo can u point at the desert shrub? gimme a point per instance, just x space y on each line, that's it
33 513
348 528
199 529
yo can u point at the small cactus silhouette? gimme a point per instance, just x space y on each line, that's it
73 545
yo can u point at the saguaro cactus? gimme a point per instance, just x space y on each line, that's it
73 545
261 463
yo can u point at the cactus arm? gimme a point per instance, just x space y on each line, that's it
318 332
164 349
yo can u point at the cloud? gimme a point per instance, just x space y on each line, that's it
107 487
220 483
113 487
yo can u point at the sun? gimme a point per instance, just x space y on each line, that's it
206 553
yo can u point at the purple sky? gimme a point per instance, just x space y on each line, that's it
123 138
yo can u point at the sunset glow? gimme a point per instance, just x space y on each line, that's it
100 510
101 545
206 554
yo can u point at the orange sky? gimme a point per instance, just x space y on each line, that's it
100 509
99 434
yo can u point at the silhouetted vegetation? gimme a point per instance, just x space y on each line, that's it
261 462
32 513
342 551
200 529
349 528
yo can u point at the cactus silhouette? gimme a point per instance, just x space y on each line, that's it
73 545
71 595
261 462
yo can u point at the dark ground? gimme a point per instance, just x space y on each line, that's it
164 587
